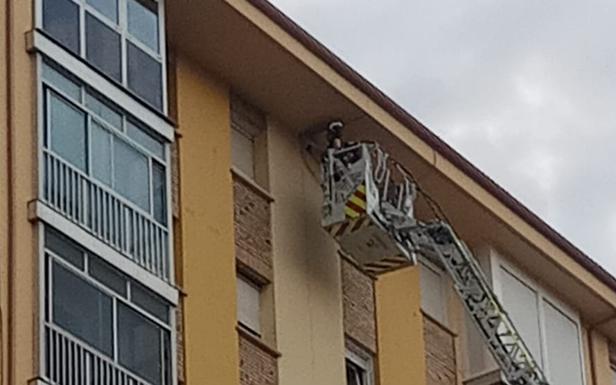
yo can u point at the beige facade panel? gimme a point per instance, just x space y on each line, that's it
308 295
599 357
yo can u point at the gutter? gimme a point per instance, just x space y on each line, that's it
438 145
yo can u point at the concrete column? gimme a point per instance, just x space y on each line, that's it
401 351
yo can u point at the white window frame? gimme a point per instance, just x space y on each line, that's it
46 260
120 133
364 361
90 77
122 30
498 262
142 114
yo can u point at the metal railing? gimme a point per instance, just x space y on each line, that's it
105 214
69 361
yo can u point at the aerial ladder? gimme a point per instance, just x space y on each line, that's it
368 208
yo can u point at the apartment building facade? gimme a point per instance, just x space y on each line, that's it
160 216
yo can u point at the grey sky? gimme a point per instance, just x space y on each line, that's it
526 90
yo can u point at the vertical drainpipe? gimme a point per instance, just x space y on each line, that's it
10 191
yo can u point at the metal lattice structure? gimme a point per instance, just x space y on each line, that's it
368 209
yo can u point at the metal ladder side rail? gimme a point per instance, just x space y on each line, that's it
502 338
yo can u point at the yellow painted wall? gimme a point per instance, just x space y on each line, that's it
20 303
207 228
400 328
308 294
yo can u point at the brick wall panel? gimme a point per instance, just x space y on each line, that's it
253 234
358 306
179 314
257 365
440 354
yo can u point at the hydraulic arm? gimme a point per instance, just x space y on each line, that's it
368 209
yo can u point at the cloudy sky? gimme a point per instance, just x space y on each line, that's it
526 90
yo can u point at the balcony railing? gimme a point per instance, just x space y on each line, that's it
71 362
102 212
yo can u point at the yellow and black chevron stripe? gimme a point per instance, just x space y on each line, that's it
386 264
356 205
344 228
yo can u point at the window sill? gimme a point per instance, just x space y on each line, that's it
490 377
251 273
440 324
248 181
244 333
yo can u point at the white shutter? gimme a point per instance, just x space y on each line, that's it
248 305
563 347
433 298
243 152
521 302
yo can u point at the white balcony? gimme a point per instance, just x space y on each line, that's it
68 361
105 214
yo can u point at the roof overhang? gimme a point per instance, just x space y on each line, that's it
273 63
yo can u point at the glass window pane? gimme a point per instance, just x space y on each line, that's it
139 344
563 347
149 302
82 310
131 174
522 305
67 126
160 192
103 48
167 357
145 76
61 21
143 22
62 82
354 374
108 8
107 275
64 247
148 141
104 110
101 153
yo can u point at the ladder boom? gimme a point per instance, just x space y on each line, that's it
368 209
